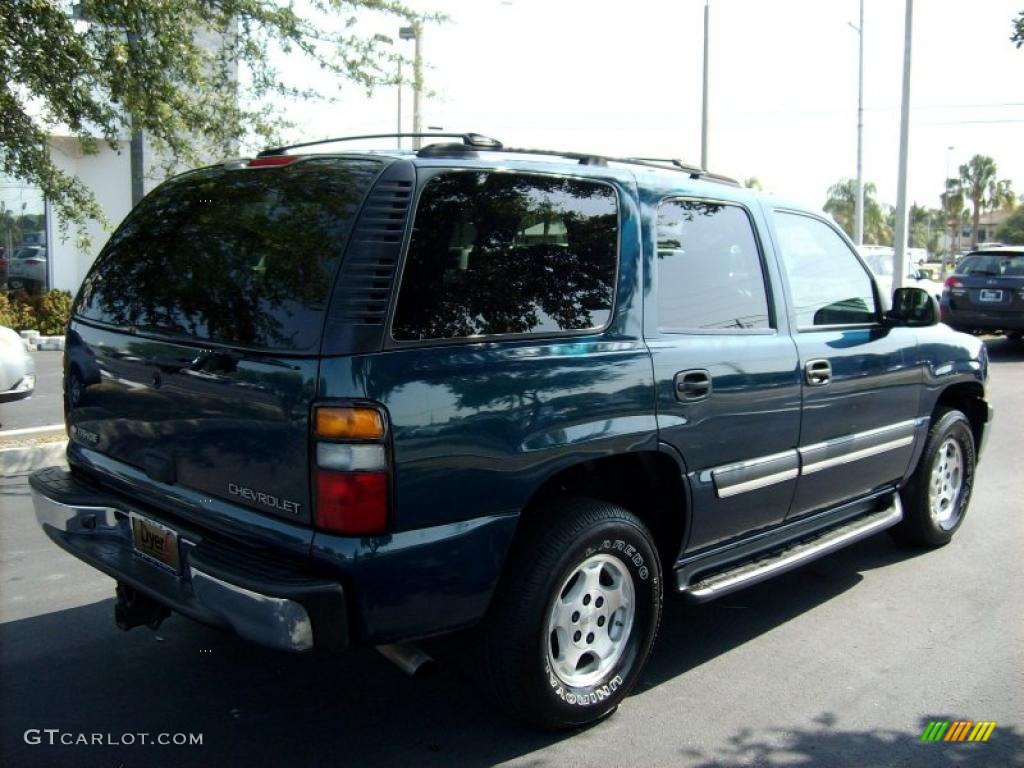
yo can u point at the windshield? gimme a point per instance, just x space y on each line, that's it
993 264
240 256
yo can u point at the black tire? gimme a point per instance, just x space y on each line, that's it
920 526
514 642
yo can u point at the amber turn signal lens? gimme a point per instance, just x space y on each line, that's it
349 423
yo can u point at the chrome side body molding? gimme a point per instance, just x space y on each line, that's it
750 475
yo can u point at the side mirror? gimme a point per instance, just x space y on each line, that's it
913 307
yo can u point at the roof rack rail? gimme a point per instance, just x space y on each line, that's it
591 159
474 140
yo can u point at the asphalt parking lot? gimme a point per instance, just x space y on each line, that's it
841 663
44 407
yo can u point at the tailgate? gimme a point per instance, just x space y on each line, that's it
231 425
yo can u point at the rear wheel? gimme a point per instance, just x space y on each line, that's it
575 615
936 498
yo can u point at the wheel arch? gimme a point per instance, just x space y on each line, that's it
968 397
649 483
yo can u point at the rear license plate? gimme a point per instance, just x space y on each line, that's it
987 294
156 543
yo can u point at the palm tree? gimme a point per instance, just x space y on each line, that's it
840 205
953 209
977 177
1001 197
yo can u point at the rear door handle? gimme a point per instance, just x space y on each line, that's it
818 373
693 385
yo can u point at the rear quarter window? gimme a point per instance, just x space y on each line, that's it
240 257
495 253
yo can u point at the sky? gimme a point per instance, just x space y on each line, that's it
624 78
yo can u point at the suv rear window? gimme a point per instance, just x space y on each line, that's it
504 253
993 265
240 257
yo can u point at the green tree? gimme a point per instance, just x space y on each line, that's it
925 227
1011 231
984 190
753 182
143 65
1018 30
953 209
840 205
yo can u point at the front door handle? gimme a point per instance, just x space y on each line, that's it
692 385
818 373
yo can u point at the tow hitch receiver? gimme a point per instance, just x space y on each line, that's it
134 609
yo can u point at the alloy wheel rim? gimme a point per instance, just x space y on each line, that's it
946 483
590 621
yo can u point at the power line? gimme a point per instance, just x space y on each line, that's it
973 122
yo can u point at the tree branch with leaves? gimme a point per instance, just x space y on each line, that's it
198 76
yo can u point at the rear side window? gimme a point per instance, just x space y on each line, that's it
233 256
709 268
829 286
502 253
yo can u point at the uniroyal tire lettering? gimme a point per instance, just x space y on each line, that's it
584 699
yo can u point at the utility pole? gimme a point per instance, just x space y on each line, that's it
704 105
859 206
902 211
399 126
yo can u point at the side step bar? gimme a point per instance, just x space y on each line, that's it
749 572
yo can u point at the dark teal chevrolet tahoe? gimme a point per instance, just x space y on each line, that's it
362 398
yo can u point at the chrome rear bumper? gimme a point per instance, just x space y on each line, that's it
249 601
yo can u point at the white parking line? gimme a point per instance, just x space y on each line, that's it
31 430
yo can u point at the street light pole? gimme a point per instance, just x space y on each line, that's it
899 267
415 33
859 206
704 105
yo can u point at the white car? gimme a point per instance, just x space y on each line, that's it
17 368
880 262
27 267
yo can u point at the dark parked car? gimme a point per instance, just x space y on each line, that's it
986 293
371 397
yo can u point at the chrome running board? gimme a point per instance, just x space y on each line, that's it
749 572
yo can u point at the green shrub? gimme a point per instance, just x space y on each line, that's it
16 313
47 313
53 310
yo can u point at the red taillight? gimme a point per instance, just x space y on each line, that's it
953 282
354 503
351 469
271 160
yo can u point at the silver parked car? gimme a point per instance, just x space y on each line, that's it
27 268
17 368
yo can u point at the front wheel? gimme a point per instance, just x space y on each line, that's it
936 498
575 615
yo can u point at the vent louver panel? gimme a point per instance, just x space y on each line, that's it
368 270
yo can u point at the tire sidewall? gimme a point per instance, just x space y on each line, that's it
954 425
632 547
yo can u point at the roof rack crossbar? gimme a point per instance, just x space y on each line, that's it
468 139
